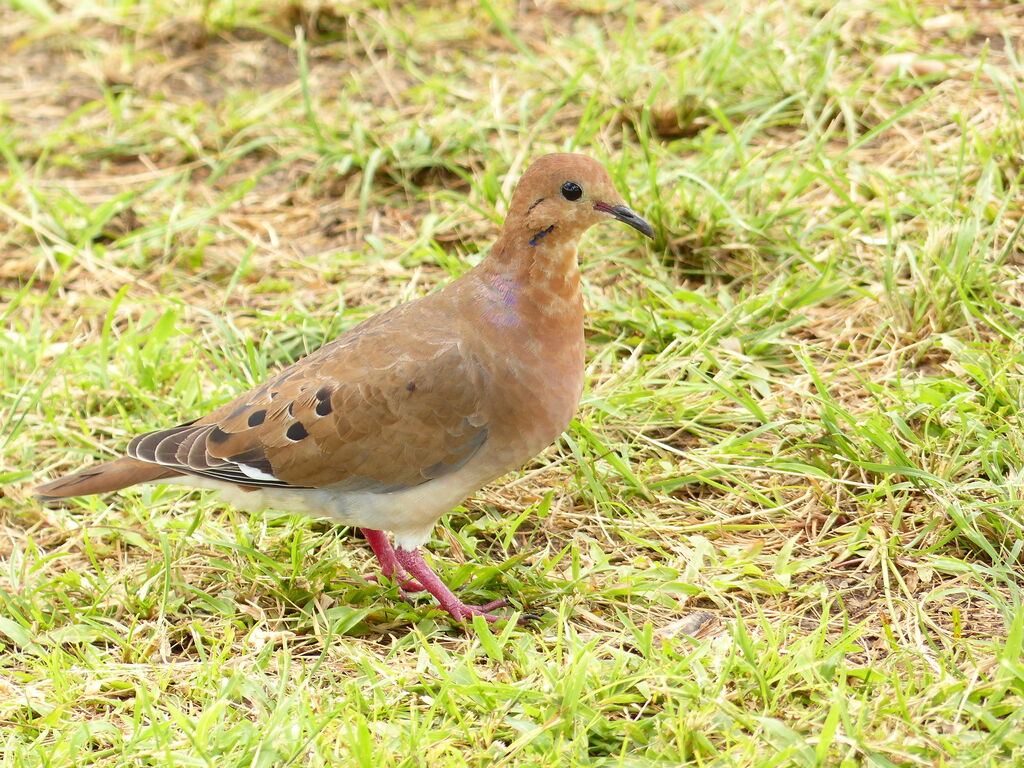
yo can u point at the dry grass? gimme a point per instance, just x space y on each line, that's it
786 529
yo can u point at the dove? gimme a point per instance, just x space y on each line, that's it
405 415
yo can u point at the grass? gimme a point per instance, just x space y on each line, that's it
786 528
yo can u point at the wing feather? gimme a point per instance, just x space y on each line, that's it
392 404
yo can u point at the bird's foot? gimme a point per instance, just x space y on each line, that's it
389 565
413 563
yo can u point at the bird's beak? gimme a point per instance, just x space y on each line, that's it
626 216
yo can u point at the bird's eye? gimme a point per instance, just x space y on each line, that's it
572 191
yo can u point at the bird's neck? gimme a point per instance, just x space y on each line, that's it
530 285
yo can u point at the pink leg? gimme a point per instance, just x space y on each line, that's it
412 561
389 565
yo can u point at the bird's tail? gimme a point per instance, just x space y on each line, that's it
109 476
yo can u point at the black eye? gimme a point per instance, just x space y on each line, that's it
572 191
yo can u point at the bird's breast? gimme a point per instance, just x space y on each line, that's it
531 334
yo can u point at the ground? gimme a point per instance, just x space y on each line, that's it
786 526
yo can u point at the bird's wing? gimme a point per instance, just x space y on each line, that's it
390 405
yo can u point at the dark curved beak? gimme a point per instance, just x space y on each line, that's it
626 216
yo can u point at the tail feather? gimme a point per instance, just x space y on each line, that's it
109 476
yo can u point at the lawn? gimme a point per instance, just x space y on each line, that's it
786 527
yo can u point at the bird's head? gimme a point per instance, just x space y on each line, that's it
560 196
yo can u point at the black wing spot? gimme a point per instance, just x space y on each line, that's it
411 386
296 432
323 401
218 436
257 417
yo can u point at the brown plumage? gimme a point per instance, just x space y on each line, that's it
398 420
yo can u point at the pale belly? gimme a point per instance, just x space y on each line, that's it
410 514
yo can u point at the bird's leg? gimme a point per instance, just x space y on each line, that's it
412 561
390 568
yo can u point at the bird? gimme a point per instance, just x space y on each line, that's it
406 414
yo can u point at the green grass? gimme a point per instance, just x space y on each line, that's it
787 526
